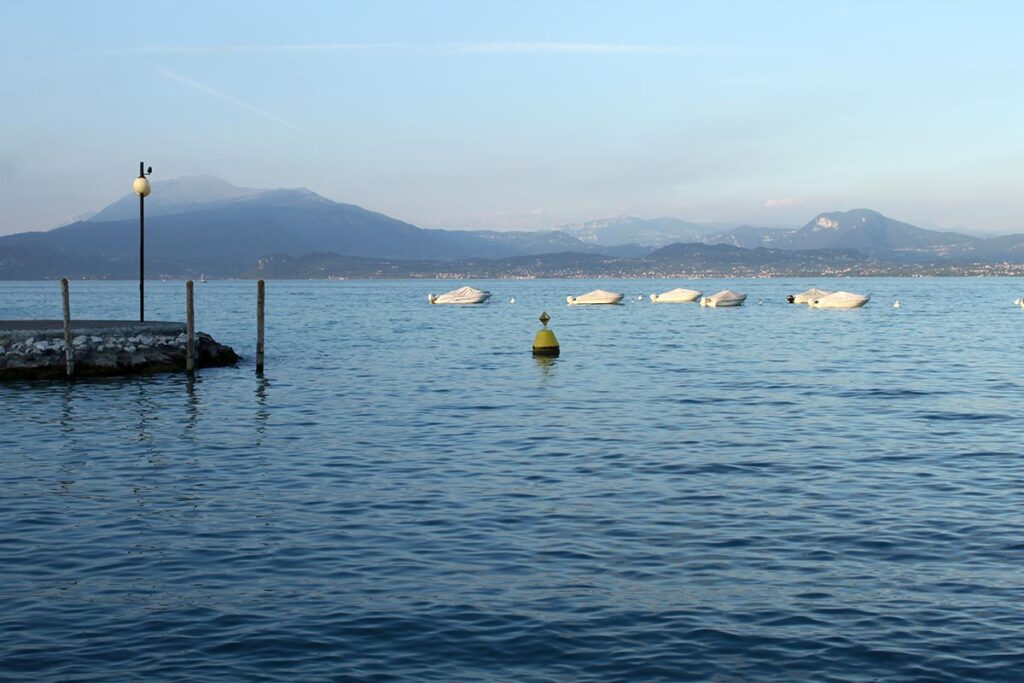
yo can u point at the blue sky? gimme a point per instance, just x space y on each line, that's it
522 115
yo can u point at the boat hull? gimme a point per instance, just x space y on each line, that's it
722 304
859 304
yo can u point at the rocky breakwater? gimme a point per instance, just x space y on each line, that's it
31 349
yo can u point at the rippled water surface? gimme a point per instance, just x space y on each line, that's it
764 493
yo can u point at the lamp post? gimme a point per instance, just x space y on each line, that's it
141 187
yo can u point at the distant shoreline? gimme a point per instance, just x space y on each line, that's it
477 276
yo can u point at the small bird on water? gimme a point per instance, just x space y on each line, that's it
897 304
512 300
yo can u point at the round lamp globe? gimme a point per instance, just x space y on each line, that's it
141 187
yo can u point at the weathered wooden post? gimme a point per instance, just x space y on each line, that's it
190 329
260 299
69 352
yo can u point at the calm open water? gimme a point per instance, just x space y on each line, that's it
769 493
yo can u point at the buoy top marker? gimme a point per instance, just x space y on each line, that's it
545 343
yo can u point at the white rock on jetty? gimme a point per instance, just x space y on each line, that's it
105 349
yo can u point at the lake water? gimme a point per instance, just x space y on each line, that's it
765 493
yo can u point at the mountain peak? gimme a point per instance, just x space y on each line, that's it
175 195
191 193
842 221
875 234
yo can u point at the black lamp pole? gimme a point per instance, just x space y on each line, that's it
141 187
142 250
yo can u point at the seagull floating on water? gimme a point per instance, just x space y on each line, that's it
512 300
897 304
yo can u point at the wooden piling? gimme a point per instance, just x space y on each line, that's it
69 351
190 329
260 300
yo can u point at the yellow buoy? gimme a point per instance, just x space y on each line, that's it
545 343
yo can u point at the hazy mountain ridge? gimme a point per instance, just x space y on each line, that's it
748 236
201 224
650 232
221 238
224 233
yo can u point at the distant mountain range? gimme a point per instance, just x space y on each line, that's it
890 240
867 231
202 224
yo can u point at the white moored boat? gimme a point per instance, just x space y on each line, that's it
840 300
808 296
676 296
462 295
724 299
598 296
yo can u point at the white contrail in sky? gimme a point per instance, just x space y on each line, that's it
564 48
301 47
203 88
463 48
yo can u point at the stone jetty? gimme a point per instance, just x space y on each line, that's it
32 349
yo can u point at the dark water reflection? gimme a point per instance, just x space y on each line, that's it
768 493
